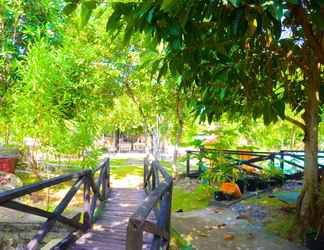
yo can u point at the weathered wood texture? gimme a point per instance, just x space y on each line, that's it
110 230
97 186
158 186
132 219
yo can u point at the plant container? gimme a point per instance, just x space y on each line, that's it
219 196
262 184
277 181
241 184
314 244
251 184
8 164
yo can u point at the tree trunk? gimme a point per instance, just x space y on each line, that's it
156 140
179 115
293 138
307 207
146 141
117 137
176 146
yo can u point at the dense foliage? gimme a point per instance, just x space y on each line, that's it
66 82
243 58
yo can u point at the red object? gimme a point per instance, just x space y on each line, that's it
8 165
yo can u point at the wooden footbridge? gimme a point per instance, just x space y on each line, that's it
113 218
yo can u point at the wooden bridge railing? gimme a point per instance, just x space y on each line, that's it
158 186
284 157
81 222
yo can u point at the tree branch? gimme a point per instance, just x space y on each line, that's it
295 122
309 34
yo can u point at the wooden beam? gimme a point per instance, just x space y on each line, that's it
151 200
134 240
46 227
42 213
67 241
21 191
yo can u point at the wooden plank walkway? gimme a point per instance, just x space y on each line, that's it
109 232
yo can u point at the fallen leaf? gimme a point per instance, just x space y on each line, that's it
228 236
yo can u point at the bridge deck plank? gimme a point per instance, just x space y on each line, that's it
109 232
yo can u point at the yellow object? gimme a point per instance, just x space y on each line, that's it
246 167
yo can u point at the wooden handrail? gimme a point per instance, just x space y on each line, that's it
99 189
158 201
258 156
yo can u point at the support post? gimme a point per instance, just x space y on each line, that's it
87 206
134 239
188 163
282 159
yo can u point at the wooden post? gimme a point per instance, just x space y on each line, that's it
168 217
134 240
86 199
146 163
153 180
272 159
104 180
282 159
188 163
201 153
108 174
155 165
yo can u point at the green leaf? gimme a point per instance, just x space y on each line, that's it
222 94
277 10
150 15
167 5
162 71
113 21
236 3
69 8
293 2
86 9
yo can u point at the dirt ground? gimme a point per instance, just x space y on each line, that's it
219 229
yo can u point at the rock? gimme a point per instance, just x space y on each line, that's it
251 236
244 216
228 236
9 181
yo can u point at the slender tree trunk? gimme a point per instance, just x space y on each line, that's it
293 137
307 207
179 114
156 139
176 147
117 134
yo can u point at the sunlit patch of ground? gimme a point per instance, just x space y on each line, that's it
129 180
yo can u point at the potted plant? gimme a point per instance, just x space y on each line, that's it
263 182
274 175
220 172
241 181
251 183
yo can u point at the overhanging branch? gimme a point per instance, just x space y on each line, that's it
295 122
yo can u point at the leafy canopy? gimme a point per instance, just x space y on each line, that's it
243 57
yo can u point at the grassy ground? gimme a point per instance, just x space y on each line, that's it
188 201
282 219
264 200
284 225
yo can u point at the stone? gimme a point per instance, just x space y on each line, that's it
9 181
